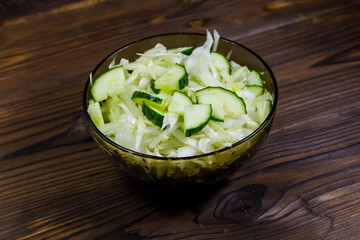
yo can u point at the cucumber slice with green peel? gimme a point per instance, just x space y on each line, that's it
108 83
256 89
233 105
176 78
220 62
263 109
154 115
215 99
254 78
178 102
153 88
95 113
183 50
196 117
140 97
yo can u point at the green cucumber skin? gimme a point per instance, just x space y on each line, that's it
167 82
191 131
257 81
184 81
179 98
259 74
153 88
184 50
256 89
145 96
210 89
217 119
152 115
190 100
218 57
214 116
188 51
101 80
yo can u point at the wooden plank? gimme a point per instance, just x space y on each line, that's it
302 184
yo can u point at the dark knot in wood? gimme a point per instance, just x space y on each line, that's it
244 204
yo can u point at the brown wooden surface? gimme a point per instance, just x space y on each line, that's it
304 183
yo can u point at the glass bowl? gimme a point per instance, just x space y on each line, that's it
201 169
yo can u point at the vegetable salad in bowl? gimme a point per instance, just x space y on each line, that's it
179 102
179 105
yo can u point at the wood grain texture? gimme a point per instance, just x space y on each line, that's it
304 183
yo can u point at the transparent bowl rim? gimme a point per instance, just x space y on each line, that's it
143 155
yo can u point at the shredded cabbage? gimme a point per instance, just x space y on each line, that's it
126 125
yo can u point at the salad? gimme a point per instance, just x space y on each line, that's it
178 102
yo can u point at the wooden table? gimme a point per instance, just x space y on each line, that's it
304 183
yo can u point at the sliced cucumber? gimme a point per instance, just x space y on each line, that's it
154 115
183 50
175 78
196 117
263 109
178 102
220 62
255 78
153 88
108 83
215 99
233 105
140 97
95 113
256 89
